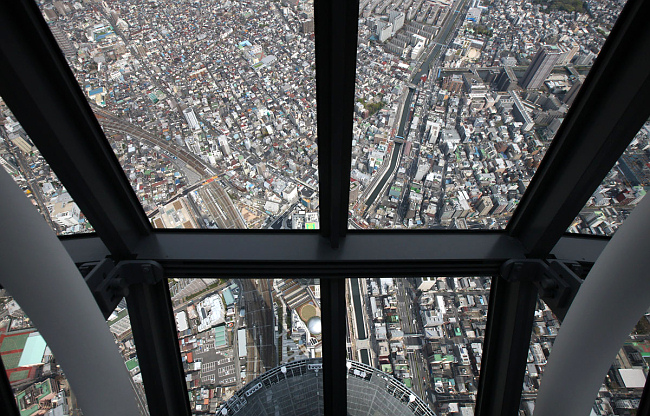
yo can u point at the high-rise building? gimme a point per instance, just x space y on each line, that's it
384 30
568 52
50 13
66 46
225 148
191 118
484 206
397 19
540 67
423 168
453 83
520 113
507 80
307 26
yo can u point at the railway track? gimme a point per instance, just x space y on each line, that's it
260 332
113 123
219 204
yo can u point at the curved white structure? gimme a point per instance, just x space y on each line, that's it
608 305
41 277
315 325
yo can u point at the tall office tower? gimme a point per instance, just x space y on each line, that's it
567 54
540 67
191 118
307 26
384 30
484 206
225 148
506 81
50 13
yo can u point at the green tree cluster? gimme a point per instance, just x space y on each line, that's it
374 107
483 30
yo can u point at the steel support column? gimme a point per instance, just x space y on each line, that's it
336 28
156 340
37 272
507 338
333 309
8 404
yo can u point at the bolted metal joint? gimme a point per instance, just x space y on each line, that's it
557 281
546 285
109 281
516 270
567 278
139 271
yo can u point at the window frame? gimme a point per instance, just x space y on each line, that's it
42 92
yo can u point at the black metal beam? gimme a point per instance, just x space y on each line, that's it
361 254
336 27
507 338
579 247
42 92
333 309
156 340
8 404
84 248
262 254
609 110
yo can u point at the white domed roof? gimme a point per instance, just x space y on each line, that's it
315 325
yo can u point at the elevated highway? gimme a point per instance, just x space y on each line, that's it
443 38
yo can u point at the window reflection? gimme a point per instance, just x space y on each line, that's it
621 190
37 381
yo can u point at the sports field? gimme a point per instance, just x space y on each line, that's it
11 360
307 311
13 342
19 375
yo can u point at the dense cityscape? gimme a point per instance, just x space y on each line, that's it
426 333
211 111
210 108
451 123
229 333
